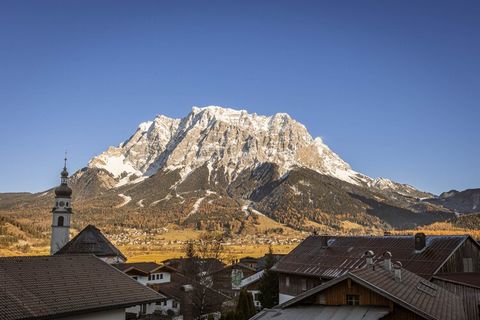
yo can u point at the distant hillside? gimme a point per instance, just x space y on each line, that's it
467 201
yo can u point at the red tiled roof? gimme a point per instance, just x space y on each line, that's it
346 253
45 287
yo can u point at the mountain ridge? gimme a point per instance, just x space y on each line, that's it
229 170
156 140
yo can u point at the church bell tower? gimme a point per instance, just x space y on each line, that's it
61 213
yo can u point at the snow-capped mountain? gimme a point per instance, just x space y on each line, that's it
218 165
216 136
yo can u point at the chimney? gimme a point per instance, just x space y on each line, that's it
186 304
369 257
397 271
387 260
420 241
324 241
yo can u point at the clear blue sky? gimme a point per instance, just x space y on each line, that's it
392 86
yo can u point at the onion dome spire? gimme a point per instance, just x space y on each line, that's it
64 173
63 190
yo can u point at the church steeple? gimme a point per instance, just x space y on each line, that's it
61 212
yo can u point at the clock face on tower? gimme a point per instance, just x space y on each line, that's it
62 203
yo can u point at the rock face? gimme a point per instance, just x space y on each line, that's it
220 166
232 139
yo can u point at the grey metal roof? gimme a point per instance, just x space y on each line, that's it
46 287
317 312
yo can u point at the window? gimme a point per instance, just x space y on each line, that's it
60 221
467 265
287 282
161 275
353 299
67 204
174 304
150 277
304 284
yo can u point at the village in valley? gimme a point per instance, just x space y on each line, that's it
414 276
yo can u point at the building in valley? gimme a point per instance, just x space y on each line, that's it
319 259
76 287
371 292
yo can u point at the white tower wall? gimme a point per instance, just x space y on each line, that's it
61 214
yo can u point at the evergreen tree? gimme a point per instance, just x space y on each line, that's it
245 307
269 283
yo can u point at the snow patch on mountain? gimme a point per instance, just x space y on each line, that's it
218 137
126 199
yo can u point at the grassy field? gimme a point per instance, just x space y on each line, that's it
230 253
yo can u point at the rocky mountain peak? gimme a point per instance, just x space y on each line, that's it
225 139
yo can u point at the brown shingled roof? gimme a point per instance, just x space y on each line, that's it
345 253
91 241
146 267
413 293
44 287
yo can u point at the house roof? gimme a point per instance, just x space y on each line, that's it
237 265
173 289
262 262
252 279
345 253
91 241
413 292
179 264
142 268
44 287
323 312
471 279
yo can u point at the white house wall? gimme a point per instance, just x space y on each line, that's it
137 309
165 277
168 306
